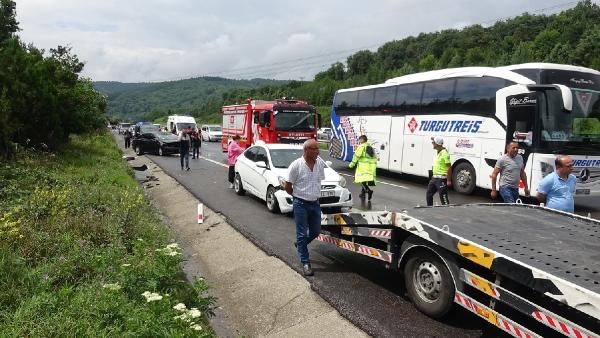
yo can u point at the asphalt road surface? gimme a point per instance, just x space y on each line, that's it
360 288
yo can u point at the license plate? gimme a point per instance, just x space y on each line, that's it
327 193
582 191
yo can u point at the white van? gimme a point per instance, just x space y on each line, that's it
211 132
176 123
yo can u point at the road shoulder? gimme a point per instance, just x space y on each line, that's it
258 295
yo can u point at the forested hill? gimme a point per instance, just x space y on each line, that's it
133 101
569 37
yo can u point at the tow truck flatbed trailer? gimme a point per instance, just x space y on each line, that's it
529 270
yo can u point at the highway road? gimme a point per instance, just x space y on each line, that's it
361 289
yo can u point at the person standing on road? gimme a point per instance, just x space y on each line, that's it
511 169
233 151
557 189
195 136
442 173
366 166
184 148
303 182
127 136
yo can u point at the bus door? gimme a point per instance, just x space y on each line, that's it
396 145
520 124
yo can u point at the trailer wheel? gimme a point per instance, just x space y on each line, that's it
237 185
463 178
272 203
429 284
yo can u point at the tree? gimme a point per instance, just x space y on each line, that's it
8 20
359 63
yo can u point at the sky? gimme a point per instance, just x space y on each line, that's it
167 40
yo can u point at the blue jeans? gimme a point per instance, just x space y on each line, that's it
307 216
509 193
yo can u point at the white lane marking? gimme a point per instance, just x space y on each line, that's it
213 161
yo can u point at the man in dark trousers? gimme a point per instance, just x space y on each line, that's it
442 173
184 148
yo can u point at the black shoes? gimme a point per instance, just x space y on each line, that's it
308 271
188 169
370 194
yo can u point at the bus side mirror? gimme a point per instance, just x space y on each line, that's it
565 93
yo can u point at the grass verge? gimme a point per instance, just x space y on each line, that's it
83 253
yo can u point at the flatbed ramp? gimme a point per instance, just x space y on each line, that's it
564 245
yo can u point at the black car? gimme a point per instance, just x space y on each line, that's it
156 142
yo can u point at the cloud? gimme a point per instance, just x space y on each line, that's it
159 40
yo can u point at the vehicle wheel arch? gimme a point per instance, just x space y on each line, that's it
462 164
237 184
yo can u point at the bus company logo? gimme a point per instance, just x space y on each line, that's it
460 126
413 125
464 143
586 163
581 81
521 101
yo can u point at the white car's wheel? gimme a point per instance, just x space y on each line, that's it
237 185
271 200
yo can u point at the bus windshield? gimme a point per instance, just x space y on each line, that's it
295 121
579 128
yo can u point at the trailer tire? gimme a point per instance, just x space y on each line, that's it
429 284
463 178
237 185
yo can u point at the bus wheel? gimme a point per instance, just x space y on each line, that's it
463 178
429 284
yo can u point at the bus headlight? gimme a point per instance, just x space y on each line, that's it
342 181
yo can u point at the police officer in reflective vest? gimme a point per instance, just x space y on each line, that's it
442 173
366 166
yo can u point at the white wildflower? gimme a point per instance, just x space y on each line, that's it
173 246
151 296
180 307
196 327
126 264
194 313
112 286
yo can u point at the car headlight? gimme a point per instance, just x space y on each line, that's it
342 181
281 181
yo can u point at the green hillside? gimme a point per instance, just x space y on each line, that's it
132 101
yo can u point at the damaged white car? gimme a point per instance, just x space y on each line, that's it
260 169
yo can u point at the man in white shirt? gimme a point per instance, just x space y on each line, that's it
303 182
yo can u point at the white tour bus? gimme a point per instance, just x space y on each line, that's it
549 109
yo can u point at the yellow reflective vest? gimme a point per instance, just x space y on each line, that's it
366 165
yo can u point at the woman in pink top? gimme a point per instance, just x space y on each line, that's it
233 151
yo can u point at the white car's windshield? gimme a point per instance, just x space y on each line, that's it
282 158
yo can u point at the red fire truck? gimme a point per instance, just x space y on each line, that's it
279 121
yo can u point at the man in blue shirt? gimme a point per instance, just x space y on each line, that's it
557 189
